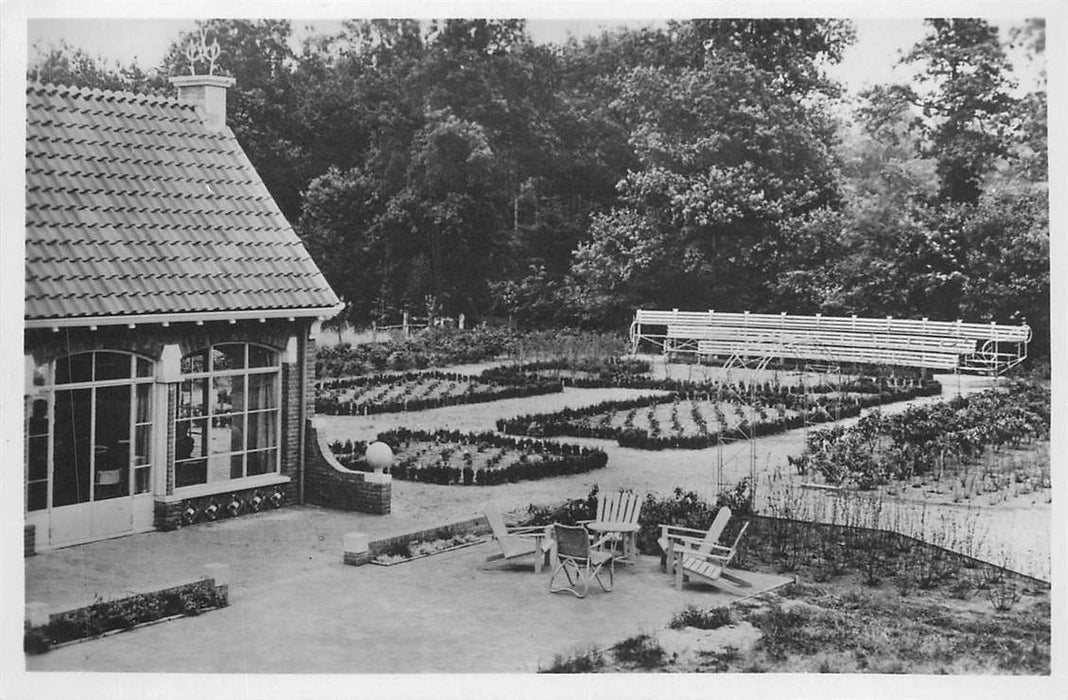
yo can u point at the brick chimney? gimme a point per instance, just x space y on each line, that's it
208 94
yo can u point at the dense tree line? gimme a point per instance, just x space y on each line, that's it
457 167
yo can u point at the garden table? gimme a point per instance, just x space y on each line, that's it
628 535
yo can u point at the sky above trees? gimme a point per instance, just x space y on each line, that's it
872 59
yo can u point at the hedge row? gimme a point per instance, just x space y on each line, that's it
609 372
626 379
558 459
820 409
332 405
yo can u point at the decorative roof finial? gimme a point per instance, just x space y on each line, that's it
198 49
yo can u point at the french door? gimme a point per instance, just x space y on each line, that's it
99 480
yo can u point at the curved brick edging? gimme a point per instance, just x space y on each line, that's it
327 483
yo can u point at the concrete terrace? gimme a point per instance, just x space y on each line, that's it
298 609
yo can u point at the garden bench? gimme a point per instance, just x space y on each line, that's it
941 345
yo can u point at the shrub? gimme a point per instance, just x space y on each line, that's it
642 650
688 509
782 630
589 661
692 616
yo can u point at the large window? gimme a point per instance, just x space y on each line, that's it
91 435
228 416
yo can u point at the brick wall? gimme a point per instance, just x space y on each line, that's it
29 540
172 515
329 484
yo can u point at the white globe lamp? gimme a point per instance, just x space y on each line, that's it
379 456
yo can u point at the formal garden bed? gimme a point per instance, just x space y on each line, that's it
472 459
712 414
965 449
416 391
441 347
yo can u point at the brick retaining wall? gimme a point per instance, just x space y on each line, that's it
170 515
327 483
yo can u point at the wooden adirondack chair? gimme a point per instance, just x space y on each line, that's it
578 561
710 566
516 541
617 521
700 540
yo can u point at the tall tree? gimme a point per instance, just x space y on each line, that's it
963 102
727 151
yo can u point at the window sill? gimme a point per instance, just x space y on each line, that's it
250 482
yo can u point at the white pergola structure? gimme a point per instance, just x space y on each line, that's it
747 338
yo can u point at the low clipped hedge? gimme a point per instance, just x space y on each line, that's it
813 409
329 404
605 372
553 458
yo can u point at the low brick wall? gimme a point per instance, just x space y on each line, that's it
44 628
474 526
327 483
171 515
29 540
357 551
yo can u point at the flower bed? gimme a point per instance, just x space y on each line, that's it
416 391
594 373
410 551
703 419
625 373
947 439
473 459
106 616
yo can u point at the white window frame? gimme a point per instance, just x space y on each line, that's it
47 392
245 371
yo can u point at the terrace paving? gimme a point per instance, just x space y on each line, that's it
297 609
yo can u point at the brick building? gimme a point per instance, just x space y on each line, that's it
169 312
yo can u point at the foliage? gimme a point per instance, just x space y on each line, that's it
643 431
700 618
125 613
642 651
456 166
432 347
589 661
962 93
416 391
472 459
688 509
920 439
569 512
